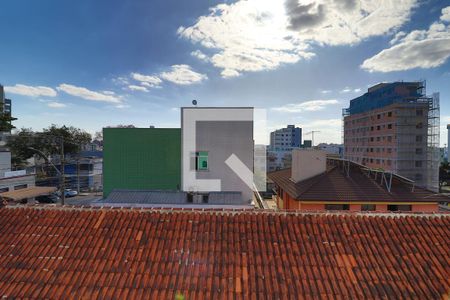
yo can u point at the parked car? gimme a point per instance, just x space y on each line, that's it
68 193
47 198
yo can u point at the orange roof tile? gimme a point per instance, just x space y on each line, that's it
129 253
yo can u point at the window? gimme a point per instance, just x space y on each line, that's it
378 127
390 114
399 207
337 206
418 138
389 150
201 161
20 187
3 190
419 125
389 138
419 112
378 116
418 163
418 150
389 126
371 139
368 207
418 176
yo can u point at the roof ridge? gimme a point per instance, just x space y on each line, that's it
315 179
228 211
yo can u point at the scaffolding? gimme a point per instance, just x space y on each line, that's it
418 139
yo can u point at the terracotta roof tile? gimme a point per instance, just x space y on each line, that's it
109 253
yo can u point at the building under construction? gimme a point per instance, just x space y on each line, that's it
394 127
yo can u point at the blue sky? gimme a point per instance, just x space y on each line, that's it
92 64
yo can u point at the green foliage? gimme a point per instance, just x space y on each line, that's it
179 296
23 143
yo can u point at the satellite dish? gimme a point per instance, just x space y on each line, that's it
194 102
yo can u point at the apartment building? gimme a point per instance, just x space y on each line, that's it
285 139
394 127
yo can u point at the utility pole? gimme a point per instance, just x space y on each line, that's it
62 181
78 175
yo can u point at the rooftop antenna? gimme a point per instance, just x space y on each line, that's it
194 102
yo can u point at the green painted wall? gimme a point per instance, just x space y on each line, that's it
141 158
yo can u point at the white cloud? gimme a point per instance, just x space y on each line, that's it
138 88
200 55
56 104
446 14
183 75
33 91
417 49
345 90
324 123
147 80
122 106
357 90
257 35
228 73
120 80
108 93
325 91
313 105
88 94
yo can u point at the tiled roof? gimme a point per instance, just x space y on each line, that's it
77 253
334 185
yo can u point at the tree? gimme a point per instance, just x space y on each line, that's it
74 139
19 144
24 143
444 174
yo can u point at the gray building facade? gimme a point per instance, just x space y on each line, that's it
221 136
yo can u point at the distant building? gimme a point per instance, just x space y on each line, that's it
6 103
286 139
334 149
448 142
394 127
6 109
318 183
307 144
